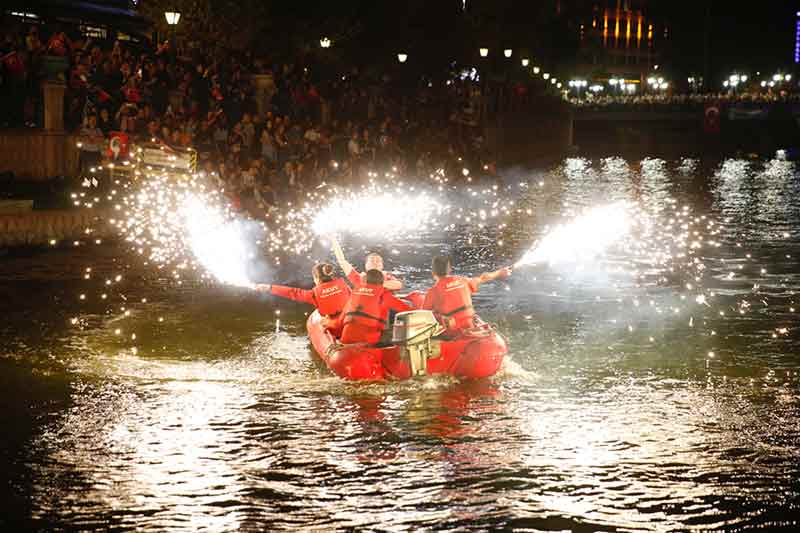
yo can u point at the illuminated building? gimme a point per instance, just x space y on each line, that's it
621 37
797 38
98 19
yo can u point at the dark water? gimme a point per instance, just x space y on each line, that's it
612 413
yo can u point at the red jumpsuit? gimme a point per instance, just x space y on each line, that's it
365 316
450 299
329 298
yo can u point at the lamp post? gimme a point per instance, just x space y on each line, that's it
507 52
484 52
173 17
325 42
402 57
525 61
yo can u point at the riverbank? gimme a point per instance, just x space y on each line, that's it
52 226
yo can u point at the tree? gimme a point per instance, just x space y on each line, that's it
230 23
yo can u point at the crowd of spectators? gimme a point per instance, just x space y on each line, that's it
266 147
680 102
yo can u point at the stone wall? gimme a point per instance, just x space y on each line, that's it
42 227
38 154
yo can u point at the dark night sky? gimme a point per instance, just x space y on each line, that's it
746 35
749 36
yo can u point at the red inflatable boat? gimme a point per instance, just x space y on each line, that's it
416 350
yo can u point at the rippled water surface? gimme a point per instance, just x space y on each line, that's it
614 411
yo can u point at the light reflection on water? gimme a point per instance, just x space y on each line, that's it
221 424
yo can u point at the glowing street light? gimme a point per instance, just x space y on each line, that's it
546 75
484 52
507 52
525 61
173 17
578 84
536 70
401 57
325 42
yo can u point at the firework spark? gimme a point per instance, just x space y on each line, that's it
583 239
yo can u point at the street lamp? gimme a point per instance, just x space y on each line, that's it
525 61
546 75
325 42
507 52
577 84
401 57
484 52
173 17
536 70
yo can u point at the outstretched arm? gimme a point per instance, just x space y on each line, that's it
392 284
290 293
337 251
394 303
502 273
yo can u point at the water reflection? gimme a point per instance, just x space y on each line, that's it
610 413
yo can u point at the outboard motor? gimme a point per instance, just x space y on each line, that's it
413 332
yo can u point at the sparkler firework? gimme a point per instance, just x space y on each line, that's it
181 224
388 214
583 239
219 243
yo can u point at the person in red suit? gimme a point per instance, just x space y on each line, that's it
366 315
372 261
329 295
450 298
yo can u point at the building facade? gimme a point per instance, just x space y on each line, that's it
620 38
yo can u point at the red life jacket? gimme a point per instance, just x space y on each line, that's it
453 302
365 307
331 296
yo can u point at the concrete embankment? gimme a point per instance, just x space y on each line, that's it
34 228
